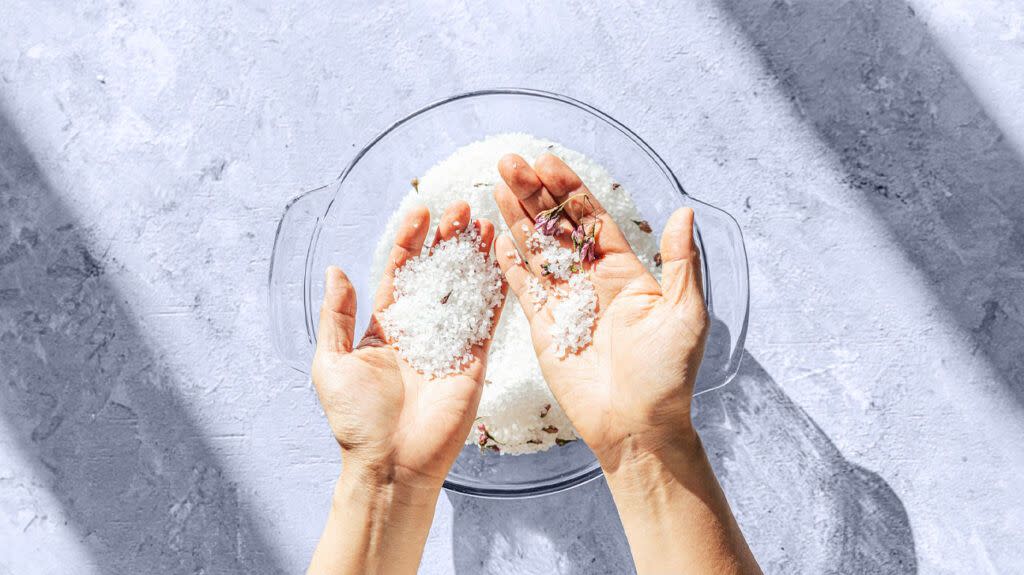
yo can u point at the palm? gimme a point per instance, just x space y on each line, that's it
414 424
634 374
639 369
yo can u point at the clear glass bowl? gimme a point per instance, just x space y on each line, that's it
341 223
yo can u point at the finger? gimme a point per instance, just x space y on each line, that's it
517 274
563 183
337 314
408 244
681 273
454 219
526 186
485 228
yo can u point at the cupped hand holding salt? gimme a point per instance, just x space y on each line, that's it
385 412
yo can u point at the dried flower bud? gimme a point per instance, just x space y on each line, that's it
657 259
416 184
643 225
579 235
587 251
547 223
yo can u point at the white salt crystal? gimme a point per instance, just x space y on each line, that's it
444 305
558 261
538 294
574 316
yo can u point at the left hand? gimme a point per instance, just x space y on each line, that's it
393 425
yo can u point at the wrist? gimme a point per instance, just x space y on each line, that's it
379 488
653 453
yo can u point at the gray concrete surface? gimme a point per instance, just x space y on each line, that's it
873 152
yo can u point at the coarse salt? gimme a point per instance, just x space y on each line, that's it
574 316
537 292
444 305
557 261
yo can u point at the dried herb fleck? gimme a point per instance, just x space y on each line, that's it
485 440
534 441
416 184
657 259
550 429
560 442
643 225
544 412
444 300
616 185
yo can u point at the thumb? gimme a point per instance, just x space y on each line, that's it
338 313
680 276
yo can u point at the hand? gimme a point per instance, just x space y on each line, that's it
630 389
391 423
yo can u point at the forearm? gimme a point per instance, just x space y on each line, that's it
374 528
674 512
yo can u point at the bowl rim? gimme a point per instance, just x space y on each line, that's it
594 470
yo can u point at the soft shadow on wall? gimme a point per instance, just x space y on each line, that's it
91 404
917 144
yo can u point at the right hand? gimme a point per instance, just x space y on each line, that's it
629 391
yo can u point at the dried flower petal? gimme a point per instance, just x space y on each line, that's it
547 223
587 251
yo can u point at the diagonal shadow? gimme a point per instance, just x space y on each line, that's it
89 402
804 508
915 141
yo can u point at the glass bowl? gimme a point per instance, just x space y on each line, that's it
341 223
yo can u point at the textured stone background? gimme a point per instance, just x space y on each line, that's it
873 152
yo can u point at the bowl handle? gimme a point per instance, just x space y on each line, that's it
291 328
728 297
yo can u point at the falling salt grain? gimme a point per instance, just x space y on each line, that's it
444 305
